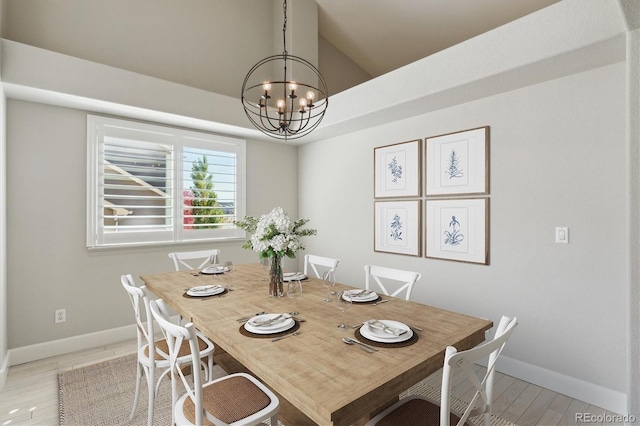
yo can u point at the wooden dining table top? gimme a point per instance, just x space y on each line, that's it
329 381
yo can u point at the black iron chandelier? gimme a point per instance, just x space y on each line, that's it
279 105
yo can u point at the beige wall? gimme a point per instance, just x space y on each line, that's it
3 218
199 43
339 71
50 266
557 158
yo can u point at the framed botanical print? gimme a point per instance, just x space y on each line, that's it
458 229
398 227
458 163
397 170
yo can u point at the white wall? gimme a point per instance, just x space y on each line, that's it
50 265
557 158
3 227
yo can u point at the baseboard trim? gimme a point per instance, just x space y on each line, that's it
597 395
75 343
70 344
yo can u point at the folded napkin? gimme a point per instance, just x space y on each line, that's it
379 325
209 269
292 276
204 288
359 293
274 320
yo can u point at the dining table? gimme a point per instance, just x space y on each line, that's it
318 378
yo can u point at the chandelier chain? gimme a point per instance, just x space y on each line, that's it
284 28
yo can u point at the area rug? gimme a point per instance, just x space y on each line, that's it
102 394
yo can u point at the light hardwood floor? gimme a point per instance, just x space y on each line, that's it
30 396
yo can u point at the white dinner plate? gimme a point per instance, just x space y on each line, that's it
212 270
381 336
367 297
280 325
205 290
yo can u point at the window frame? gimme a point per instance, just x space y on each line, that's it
99 127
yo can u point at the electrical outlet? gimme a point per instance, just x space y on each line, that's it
61 315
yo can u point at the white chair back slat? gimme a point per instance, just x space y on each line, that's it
407 278
312 262
148 361
175 335
144 322
204 256
465 361
478 410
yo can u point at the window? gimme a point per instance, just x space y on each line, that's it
153 184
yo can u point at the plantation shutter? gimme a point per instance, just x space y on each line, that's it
150 184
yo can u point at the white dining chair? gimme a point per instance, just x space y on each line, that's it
443 409
380 273
149 364
326 264
235 399
203 256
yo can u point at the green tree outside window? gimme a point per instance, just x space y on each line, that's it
204 204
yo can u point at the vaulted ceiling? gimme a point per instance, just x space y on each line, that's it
383 35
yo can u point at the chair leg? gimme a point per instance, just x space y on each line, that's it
137 394
210 365
152 393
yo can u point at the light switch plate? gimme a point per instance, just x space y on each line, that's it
562 235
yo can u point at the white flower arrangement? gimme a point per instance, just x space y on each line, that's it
274 234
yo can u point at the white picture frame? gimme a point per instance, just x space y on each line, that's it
458 229
458 163
398 170
398 227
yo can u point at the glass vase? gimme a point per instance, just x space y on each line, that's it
276 277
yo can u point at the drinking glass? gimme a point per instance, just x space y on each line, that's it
294 290
342 304
229 265
265 263
328 281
